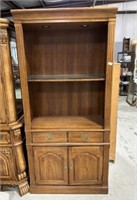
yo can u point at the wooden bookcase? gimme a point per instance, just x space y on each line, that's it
66 60
12 160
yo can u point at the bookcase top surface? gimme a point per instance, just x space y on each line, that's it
65 14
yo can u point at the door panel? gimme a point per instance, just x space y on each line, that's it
51 166
7 167
85 164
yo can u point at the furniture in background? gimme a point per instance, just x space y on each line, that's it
126 44
126 58
12 160
132 90
66 61
132 94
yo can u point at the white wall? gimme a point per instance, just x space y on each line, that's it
126 24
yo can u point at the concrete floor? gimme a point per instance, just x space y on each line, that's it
122 174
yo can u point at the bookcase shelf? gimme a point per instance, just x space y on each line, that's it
67 122
65 78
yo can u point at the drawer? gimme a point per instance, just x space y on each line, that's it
50 137
85 137
4 137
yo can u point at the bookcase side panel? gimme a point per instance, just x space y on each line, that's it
109 65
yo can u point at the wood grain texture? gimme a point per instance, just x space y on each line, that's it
3 117
58 97
7 164
65 14
62 51
20 159
68 189
86 137
114 110
50 137
65 99
67 122
85 165
109 65
68 144
65 78
105 165
30 154
51 165
7 76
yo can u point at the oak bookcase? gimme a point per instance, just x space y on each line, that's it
66 59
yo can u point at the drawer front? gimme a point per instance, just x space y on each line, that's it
85 137
50 137
4 137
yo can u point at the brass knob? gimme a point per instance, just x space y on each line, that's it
85 138
49 136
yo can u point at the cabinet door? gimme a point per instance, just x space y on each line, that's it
7 165
85 165
51 165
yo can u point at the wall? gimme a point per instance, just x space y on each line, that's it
126 24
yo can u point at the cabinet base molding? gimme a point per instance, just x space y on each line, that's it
68 190
23 186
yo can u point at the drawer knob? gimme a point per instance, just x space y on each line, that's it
85 138
49 136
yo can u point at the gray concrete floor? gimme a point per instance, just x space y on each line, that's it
122 174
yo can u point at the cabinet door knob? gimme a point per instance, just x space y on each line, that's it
49 136
85 138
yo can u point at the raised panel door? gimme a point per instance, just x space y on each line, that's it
7 166
85 165
51 166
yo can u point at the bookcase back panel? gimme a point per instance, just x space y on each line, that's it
65 99
66 50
